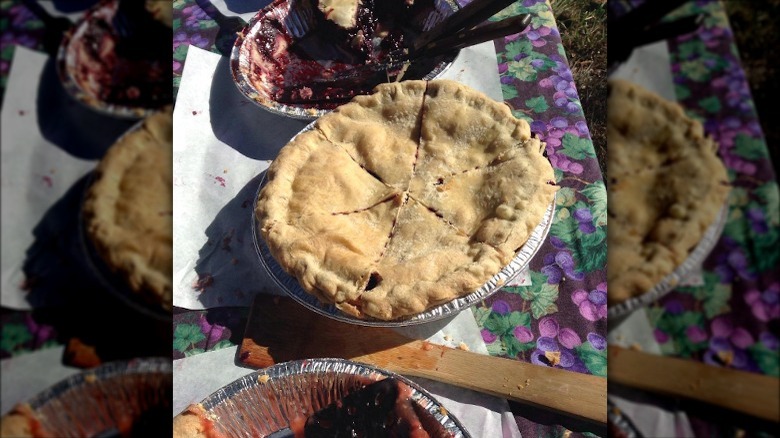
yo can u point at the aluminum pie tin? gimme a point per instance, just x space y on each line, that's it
65 63
241 58
112 281
291 286
267 400
620 422
114 395
667 284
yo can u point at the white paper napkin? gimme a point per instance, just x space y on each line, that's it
49 142
23 377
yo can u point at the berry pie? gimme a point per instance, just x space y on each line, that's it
667 186
128 209
405 199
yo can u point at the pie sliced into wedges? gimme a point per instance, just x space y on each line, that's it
405 199
667 186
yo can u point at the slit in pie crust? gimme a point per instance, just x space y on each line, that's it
436 186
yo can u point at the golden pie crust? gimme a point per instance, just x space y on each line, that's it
341 12
128 209
404 199
22 422
194 422
667 186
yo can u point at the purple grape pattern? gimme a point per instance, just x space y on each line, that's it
543 323
726 322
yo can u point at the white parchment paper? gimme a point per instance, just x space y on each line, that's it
38 370
49 143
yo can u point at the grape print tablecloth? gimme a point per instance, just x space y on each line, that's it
731 320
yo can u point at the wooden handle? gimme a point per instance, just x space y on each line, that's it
282 331
749 393
576 394
467 17
476 35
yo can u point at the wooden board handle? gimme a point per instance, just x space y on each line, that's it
282 331
749 393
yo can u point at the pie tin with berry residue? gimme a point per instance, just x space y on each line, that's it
290 284
267 400
241 59
65 63
115 395
671 281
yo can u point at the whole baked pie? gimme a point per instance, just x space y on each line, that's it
667 186
404 199
128 209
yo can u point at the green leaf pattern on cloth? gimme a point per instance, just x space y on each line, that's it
727 321
207 330
552 321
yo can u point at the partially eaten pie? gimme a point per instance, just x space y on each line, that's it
111 69
128 209
404 199
291 54
666 188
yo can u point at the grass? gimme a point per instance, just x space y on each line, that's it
756 35
583 27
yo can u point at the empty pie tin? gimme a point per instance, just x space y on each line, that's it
668 283
291 286
274 21
113 396
67 63
267 400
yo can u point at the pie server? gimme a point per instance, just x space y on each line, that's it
281 330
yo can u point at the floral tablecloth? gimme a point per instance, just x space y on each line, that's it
564 310
732 319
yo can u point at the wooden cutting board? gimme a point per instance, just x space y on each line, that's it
280 330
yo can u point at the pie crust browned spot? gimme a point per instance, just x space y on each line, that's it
404 199
128 209
667 186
